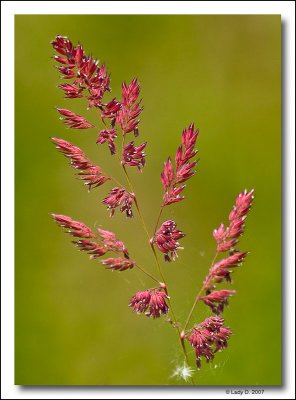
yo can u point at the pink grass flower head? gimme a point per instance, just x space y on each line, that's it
140 301
94 249
134 156
228 237
127 116
119 197
171 177
212 324
106 241
71 91
200 340
152 302
90 79
108 135
118 264
110 111
217 300
166 239
99 245
99 84
90 173
208 337
73 120
74 228
221 270
111 242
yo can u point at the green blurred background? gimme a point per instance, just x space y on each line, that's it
73 326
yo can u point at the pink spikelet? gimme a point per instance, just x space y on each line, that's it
89 79
110 111
105 241
166 239
168 174
73 120
217 300
208 337
90 173
119 197
111 242
127 116
118 264
97 86
157 304
140 301
108 136
94 249
152 302
134 156
96 246
221 270
228 237
173 178
74 228
71 91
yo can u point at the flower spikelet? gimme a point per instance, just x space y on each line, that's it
110 110
94 249
172 178
221 270
119 197
108 135
134 156
166 239
74 228
228 237
127 116
73 120
118 264
88 172
152 302
111 242
71 91
217 300
94 245
89 79
208 337
104 241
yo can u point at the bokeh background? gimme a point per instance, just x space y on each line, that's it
73 326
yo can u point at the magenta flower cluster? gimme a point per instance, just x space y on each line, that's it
208 337
87 79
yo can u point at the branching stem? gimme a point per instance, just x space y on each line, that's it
165 287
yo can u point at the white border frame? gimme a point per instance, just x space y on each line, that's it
9 9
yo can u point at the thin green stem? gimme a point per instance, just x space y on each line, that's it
99 241
158 218
115 180
148 274
157 263
174 319
142 219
